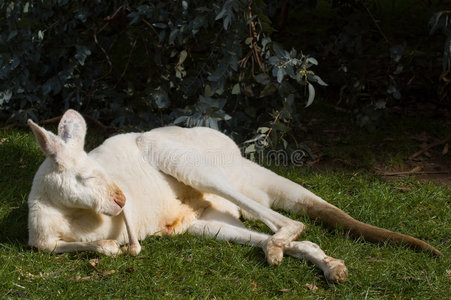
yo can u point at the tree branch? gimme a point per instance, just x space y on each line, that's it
445 140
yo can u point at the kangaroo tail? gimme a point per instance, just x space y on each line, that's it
335 217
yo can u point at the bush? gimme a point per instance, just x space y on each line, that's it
215 63
149 63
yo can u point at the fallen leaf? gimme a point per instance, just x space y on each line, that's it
254 285
404 278
3 140
94 262
311 287
448 272
416 169
284 290
402 188
190 258
96 276
84 278
107 273
19 286
373 259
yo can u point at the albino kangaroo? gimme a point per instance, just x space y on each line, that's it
167 181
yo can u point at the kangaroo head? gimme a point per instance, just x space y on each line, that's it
69 177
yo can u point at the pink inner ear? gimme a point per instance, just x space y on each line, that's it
72 128
69 129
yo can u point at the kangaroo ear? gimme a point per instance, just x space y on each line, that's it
50 144
72 129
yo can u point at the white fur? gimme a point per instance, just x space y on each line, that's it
174 180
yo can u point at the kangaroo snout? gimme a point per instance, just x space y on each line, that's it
118 196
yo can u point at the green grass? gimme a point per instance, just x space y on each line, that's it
191 267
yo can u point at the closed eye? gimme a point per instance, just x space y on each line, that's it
85 178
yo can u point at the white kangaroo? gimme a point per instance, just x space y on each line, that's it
167 181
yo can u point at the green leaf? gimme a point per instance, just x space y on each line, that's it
182 57
311 94
269 89
317 79
5 96
312 60
160 25
236 89
160 99
280 75
181 119
173 35
262 78
82 53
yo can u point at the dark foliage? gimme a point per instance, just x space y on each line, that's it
143 64
148 63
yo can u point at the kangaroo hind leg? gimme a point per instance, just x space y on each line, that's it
334 269
279 192
209 178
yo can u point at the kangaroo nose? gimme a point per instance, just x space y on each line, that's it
118 197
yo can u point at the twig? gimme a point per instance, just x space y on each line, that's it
270 129
110 18
445 140
100 124
56 119
12 125
52 120
377 25
412 173
110 64
254 36
128 63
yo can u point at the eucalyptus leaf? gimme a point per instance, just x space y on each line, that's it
182 57
280 75
160 25
268 90
5 96
262 78
173 35
311 94
180 120
82 52
312 61
160 99
236 89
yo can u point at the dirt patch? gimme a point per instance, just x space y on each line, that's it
432 165
413 142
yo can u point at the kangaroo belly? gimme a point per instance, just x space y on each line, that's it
158 203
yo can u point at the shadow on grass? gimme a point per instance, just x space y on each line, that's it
13 227
19 162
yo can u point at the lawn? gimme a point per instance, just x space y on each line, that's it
191 267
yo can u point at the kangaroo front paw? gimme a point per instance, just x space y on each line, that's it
108 247
336 270
274 249
134 249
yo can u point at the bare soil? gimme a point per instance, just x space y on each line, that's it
336 144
